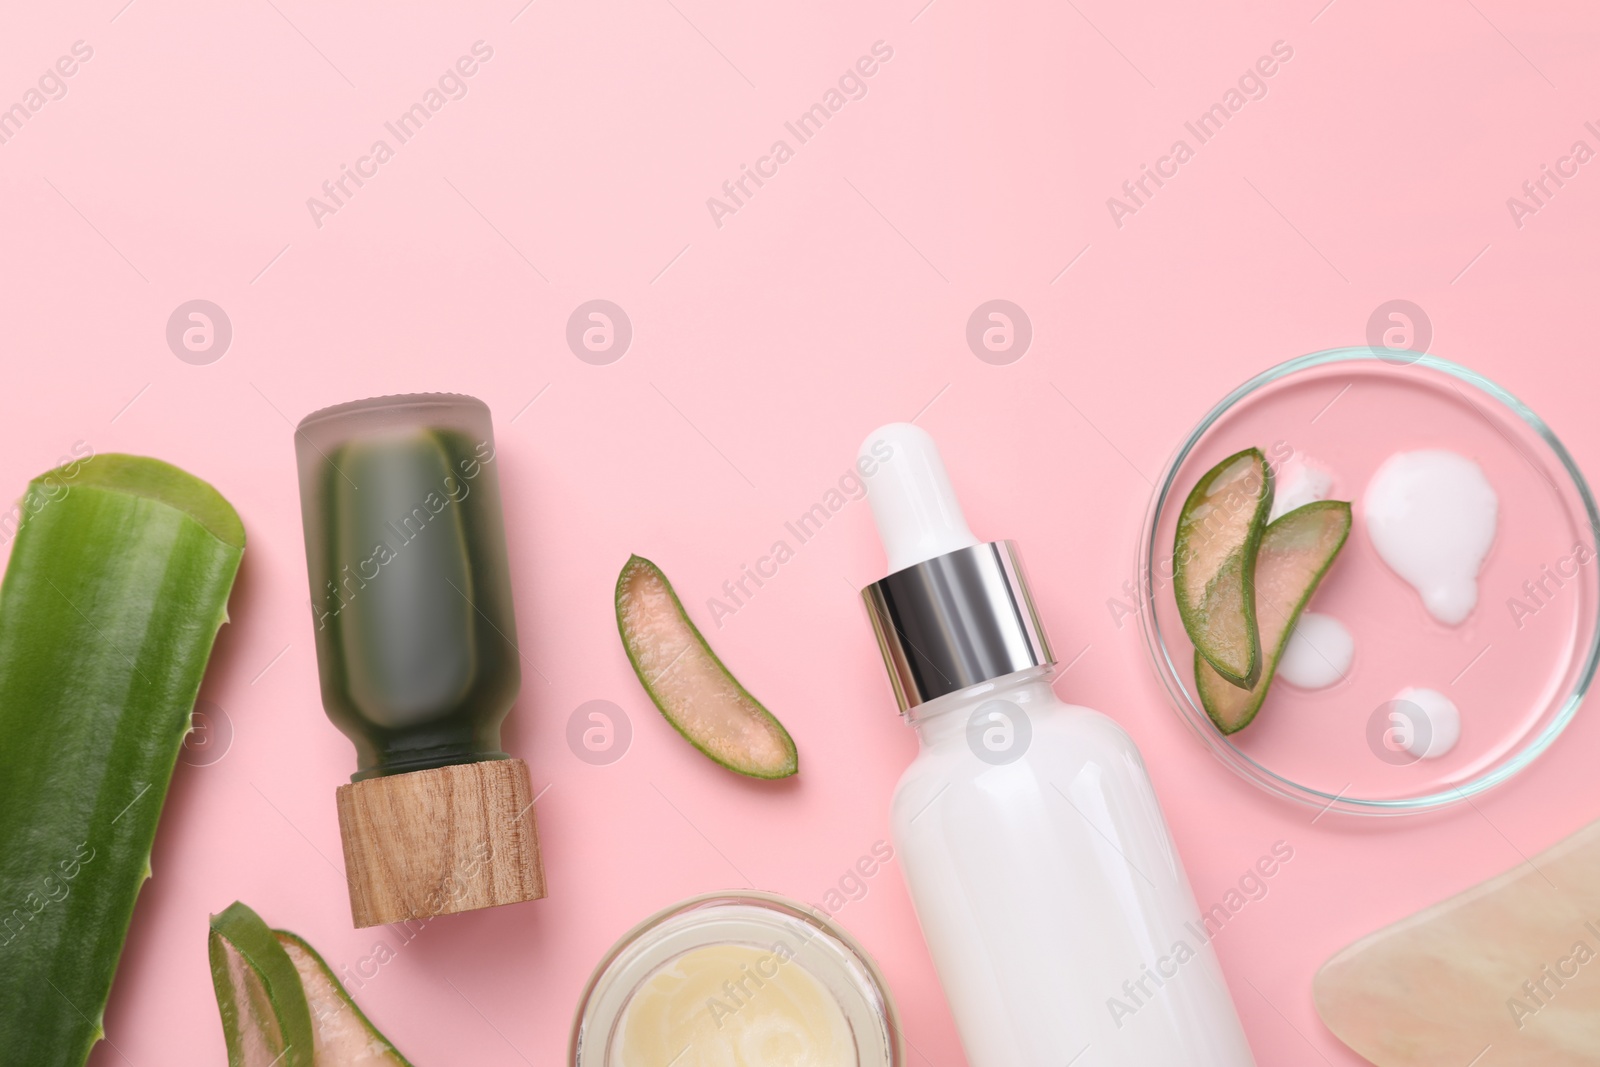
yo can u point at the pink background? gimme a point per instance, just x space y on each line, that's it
577 167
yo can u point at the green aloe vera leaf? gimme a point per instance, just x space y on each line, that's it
265 1016
688 683
1214 561
1296 552
343 1033
117 584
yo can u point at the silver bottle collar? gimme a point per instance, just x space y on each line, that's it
954 621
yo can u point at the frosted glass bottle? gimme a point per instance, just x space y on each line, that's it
1052 899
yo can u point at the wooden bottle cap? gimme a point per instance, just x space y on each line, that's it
440 841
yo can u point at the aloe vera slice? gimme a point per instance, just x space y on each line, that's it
281 1005
265 1016
1296 551
343 1033
117 584
1214 563
689 684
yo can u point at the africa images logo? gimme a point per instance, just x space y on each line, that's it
1252 85
852 85
451 85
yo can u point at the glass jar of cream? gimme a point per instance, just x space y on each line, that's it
737 979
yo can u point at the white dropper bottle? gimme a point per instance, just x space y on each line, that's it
1044 878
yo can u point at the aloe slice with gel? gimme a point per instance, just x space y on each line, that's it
281 1005
265 1018
1214 563
344 1036
117 584
1295 552
689 684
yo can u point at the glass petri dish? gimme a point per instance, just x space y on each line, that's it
833 964
1517 667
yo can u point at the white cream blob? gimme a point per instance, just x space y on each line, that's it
1431 516
1318 654
1435 731
1296 484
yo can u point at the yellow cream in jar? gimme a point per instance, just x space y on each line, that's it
734 1005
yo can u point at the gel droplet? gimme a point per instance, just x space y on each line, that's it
1298 483
1318 654
1431 516
1443 723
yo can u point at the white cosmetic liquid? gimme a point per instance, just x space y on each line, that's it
1318 654
1431 516
1434 726
1296 484
1052 898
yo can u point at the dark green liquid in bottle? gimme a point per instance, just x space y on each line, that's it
411 600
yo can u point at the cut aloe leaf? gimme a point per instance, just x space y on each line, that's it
686 680
1214 563
265 1016
281 1004
343 1033
117 584
1296 551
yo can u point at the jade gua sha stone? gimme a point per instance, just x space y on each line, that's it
416 648
1508 970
